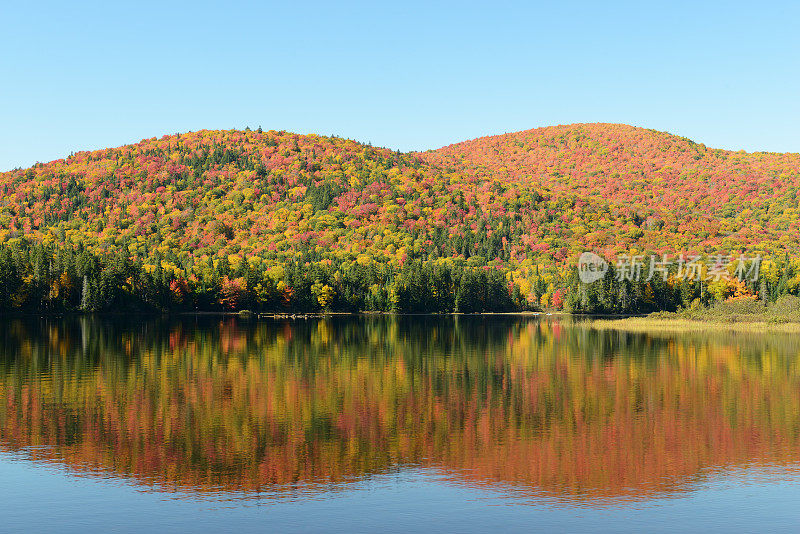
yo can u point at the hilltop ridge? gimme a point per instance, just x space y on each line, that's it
524 203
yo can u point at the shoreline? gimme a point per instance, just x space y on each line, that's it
677 324
629 323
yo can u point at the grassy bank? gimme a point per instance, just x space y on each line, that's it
747 315
660 324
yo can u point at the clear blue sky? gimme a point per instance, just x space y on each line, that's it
79 75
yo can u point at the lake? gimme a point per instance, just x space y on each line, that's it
343 424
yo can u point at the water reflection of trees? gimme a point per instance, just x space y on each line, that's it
543 406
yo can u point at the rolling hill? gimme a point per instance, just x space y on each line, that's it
275 220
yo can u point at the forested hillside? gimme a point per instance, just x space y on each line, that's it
284 222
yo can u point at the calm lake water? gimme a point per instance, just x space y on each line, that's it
394 424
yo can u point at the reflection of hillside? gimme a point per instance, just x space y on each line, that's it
550 407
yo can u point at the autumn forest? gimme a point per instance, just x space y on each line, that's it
274 221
